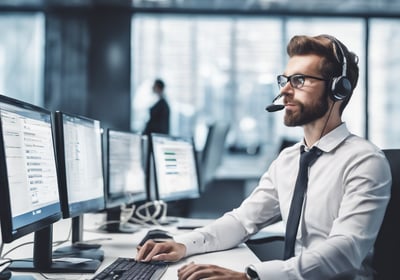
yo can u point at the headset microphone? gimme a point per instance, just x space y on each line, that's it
275 107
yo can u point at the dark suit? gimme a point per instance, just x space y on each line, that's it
159 118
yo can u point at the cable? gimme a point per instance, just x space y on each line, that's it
60 242
126 214
150 212
326 122
148 216
16 247
55 243
4 261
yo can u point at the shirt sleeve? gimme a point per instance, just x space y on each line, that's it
224 233
258 210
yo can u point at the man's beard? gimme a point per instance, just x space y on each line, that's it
307 113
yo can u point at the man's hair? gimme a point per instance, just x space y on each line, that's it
331 65
160 84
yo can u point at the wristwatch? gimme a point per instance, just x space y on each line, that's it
251 273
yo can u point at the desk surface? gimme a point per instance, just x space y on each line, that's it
124 245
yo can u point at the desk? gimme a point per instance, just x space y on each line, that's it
124 245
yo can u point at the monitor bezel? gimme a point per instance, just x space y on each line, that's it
193 194
123 198
10 234
213 151
90 206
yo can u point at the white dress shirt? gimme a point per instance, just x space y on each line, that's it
348 191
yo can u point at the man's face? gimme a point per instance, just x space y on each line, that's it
155 88
308 102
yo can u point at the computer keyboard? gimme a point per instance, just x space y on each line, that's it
130 269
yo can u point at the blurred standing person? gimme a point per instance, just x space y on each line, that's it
159 112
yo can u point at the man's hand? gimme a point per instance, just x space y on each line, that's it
169 251
194 271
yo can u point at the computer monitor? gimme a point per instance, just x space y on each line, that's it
213 151
125 173
175 168
81 181
29 194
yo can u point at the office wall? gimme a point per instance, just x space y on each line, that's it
87 67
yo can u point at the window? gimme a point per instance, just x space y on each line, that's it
384 73
21 56
215 69
220 68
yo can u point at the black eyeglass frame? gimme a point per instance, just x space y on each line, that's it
289 79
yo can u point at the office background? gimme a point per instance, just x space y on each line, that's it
219 60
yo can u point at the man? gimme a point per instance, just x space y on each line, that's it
347 192
159 112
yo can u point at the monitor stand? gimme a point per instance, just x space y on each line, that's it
119 228
79 248
167 220
7 275
113 223
43 258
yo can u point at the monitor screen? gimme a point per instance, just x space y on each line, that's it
79 151
29 193
175 167
125 168
29 189
81 183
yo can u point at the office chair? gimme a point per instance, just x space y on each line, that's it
267 247
286 142
387 244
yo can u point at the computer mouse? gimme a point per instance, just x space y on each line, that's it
159 233
156 235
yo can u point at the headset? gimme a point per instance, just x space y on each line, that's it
340 87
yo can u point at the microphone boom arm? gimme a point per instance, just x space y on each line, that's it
275 107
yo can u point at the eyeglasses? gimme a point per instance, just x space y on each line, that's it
296 80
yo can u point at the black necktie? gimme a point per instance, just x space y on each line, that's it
306 160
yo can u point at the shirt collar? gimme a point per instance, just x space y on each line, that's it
333 139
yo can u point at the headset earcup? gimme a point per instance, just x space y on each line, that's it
340 88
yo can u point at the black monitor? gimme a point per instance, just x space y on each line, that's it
175 167
81 182
29 194
125 173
